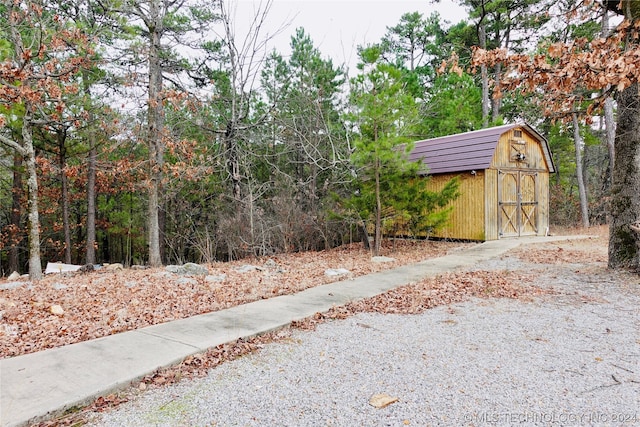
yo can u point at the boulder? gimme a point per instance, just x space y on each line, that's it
332 272
248 268
12 285
186 281
188 269
218 278
382 259
175 269
13 276
195 269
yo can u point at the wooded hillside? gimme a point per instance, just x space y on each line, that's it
150 132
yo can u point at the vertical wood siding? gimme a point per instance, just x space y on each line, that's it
491 204
534 163
543 189
508 146
468 217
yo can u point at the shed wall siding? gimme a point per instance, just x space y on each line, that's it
491 204
504 156
467 219
543 191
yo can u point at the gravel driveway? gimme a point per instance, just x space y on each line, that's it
572 358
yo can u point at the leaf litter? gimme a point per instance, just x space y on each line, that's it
67 308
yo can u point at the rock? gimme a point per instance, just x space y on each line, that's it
56 309
382 259
12 285
163 274
14 276
195 269
188 269
59 286
248 268
175 269
382 400
186 281
59 267
270 264
139 267
332 272
218 278
114 267
87 268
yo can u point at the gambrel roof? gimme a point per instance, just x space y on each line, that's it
470 150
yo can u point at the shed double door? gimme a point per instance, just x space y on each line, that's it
517 203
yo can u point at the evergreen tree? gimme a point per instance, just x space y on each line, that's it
385 114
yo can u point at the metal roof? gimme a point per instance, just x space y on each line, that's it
470 150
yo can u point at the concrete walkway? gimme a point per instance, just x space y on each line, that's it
38 385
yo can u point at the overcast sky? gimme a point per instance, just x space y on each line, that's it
338 27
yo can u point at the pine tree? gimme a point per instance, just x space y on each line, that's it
385 113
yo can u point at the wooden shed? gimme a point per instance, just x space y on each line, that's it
504 181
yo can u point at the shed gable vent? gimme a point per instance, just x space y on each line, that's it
517 133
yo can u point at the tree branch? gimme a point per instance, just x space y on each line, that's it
12 144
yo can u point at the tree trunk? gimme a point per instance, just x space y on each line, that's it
233 162
155 129
582 188
35 266
609 120
16 215
364 235
378 228
484 74
90 254
610 127
496 102
90 257
624 243
64 183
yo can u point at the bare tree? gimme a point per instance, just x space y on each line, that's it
244 60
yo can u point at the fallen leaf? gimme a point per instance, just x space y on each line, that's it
382 400
56 309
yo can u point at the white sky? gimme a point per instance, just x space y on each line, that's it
337 27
